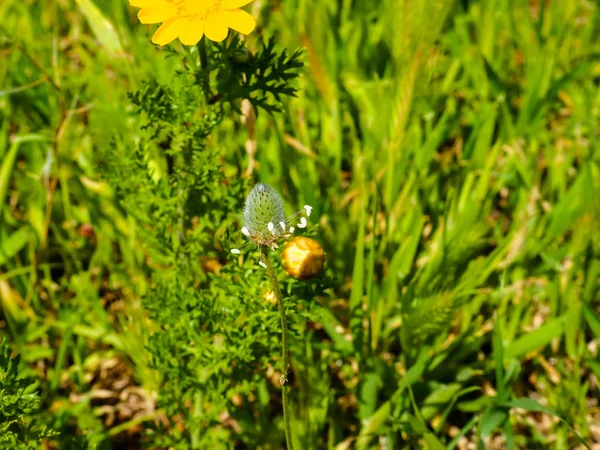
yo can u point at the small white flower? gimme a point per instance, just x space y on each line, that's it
262 264
263 211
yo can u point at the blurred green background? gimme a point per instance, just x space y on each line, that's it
451 150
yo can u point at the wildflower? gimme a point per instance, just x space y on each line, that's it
302 258
189 20
271 297
264 218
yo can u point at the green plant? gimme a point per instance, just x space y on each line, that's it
265 225
451 150
19 405
176 186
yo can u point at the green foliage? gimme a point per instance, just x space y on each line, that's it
451 153
216 339
260 77
19 404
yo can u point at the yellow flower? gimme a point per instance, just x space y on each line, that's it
189 20
302 258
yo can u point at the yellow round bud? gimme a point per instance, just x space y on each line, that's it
302 258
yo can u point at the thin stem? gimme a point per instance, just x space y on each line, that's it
204 67
285 359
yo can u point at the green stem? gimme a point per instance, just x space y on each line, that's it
285 358
204 66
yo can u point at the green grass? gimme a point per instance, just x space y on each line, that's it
451 151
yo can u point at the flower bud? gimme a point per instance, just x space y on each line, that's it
262 214
265 223
302 258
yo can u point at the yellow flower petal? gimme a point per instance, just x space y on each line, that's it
157 13
230 4
168 31
144 3
192 33
216 28
239 20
